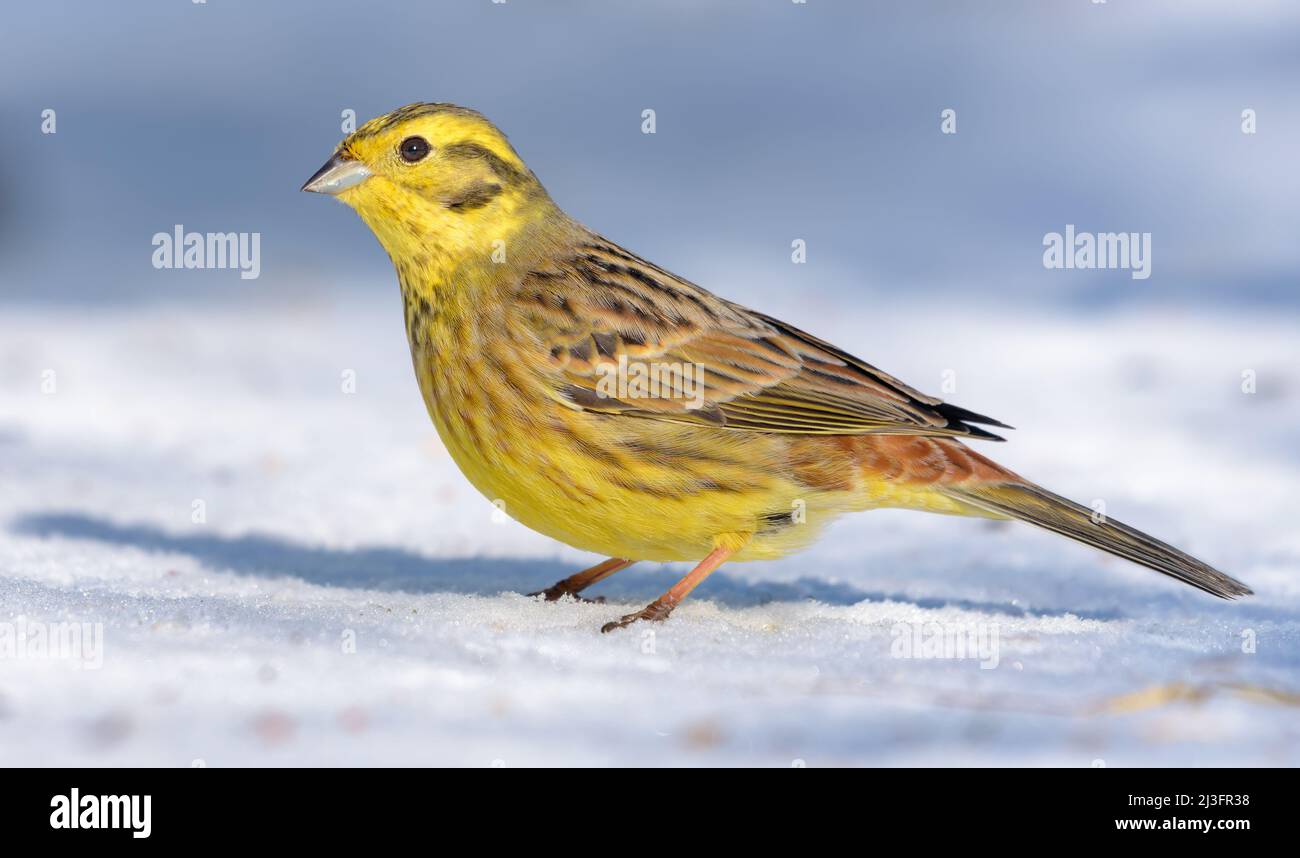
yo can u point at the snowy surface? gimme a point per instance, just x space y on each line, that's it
337 518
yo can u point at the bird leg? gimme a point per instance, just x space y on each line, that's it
660 608
575 584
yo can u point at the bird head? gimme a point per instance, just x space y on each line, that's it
429 174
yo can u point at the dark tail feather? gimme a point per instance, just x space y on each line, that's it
1030 503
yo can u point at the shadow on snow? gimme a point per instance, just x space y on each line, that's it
400 570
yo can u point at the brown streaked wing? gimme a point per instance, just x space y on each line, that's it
603 305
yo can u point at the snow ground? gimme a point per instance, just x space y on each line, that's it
336 521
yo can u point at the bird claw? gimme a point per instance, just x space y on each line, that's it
655 612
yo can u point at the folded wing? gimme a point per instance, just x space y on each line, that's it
622 336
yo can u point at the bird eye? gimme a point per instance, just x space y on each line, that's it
414 149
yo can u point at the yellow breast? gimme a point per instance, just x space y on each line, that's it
617 486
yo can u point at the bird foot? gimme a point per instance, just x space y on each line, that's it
554 594
655 612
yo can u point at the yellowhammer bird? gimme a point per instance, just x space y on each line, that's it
623 410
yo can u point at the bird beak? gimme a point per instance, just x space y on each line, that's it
338 174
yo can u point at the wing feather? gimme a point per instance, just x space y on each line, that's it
603 312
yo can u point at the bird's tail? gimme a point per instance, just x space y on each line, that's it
1030 503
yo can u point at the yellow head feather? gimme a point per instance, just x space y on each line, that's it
446 191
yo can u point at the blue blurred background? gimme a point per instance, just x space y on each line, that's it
775 121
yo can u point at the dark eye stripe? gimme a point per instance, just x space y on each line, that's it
475 196
504 171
